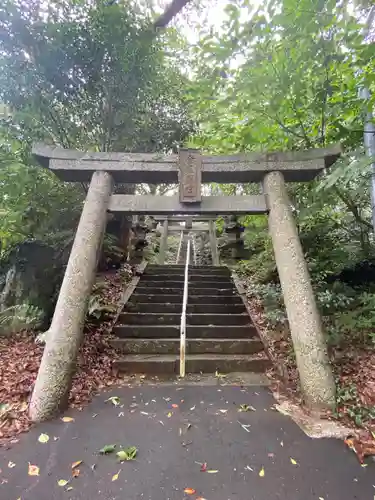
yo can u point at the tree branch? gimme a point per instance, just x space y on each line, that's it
352 207
170 12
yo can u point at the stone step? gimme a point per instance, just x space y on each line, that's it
180 284
173 267
129 318
193 346
192 331
177 299
204 363
192 278
225 272
148 290
164 307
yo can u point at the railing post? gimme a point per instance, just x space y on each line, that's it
163 243
213 243
183 315
53 383
179 247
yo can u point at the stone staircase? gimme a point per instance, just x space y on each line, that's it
220 336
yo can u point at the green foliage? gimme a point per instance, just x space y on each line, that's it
86 75
20 317
285 76
34 204
349 403
357 320
99 306
89 75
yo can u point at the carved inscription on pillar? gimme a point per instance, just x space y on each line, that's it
190 175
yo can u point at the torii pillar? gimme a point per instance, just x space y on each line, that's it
305 324
56 371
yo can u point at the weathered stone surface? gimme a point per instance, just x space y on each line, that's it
304 320
31 276
192 331
213 243
194 346
189 176
163 243
78 166
212 205
205 363
57 367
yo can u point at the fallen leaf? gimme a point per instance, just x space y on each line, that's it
174 406
204 467
246 408
76 464
11 465
261 472
212 471
108 448
67 419
33 470
169 414
128 454
43 438
115 476
187 443
293 461
62 482
189 491
76 473
115 400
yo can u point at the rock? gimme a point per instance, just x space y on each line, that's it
31 276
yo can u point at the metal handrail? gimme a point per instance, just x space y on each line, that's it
183 314
179 247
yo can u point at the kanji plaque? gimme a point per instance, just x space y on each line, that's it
190 176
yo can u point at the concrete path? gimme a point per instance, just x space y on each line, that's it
258 455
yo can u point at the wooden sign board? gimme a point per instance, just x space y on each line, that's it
190 176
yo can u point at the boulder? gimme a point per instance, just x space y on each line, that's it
31 276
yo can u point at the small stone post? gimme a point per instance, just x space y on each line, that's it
305 324
53 383
163 243
213 243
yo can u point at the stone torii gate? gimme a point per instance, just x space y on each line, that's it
189 168
188 227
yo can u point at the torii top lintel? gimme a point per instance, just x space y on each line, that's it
153 168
